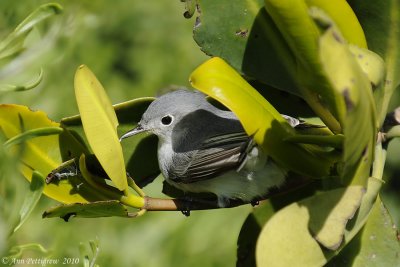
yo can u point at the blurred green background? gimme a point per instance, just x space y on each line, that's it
135 48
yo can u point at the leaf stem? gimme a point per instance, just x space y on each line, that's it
125 198
134 186
37 132
335 141
379 161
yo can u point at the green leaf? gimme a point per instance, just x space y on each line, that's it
14 42
42 152
17 251
45 131
286 58
95 249
100 125
302 226
355 105
28 86
326 214
380 22
31 200
129 112
330 211
88 210
371 64
140 152
343 16
376 245
261 214
258 117
249 42
286 241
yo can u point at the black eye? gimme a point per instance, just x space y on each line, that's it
166 120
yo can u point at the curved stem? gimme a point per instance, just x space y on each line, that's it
124 197
379 162
37 132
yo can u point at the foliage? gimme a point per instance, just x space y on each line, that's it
311 49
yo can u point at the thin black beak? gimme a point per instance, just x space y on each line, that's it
134 131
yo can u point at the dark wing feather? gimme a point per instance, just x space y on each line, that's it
215 156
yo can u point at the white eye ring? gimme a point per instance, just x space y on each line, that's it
167 120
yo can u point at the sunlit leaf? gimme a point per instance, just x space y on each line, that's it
100 125
260 120
285 240
42 153
355 105
344 17
318 219
380 22
330 212
246 251
375 245
251 42
45 131
140 152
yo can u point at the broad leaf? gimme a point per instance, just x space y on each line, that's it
375 245
380 21
140 152
254 223
302 225
286 58
100 125
286 241
246 42
251 42
43 153
325 216
355 105
330 212
260 120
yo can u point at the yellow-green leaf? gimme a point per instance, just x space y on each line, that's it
330 212
355 105
258 117
285 240
100 125
343 16
41 153
292 236
376 245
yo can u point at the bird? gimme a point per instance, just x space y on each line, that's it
205 149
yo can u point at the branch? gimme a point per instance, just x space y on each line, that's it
187 204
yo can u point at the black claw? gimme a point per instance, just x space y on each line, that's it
186 212
255 203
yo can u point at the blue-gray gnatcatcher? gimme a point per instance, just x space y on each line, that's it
202 148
